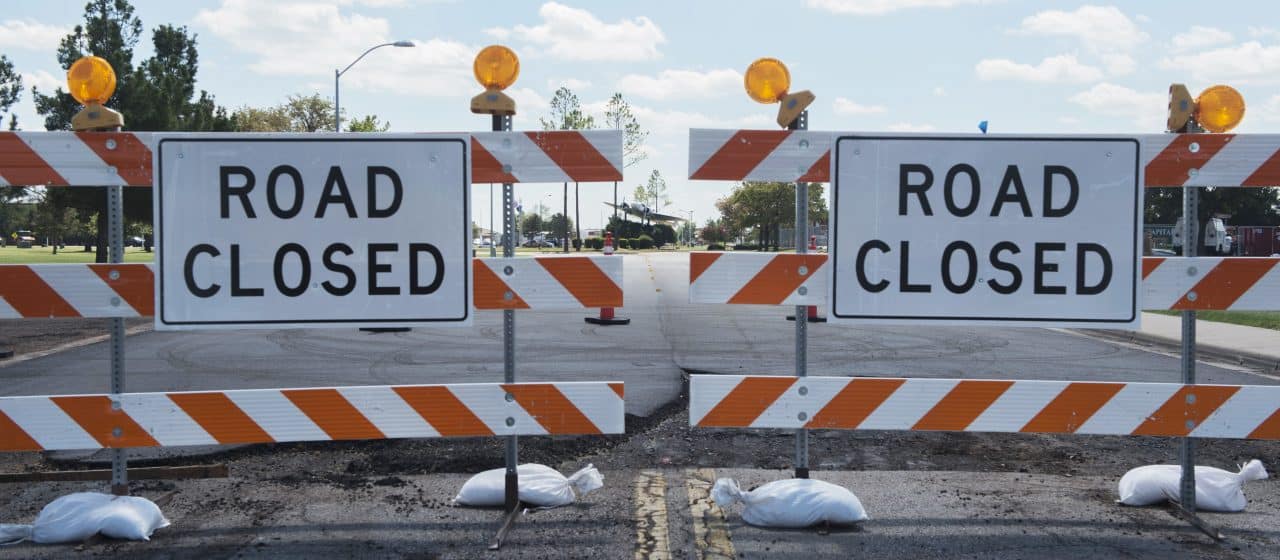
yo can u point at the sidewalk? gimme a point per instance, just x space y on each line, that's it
1253 346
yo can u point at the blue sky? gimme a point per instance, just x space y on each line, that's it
875 65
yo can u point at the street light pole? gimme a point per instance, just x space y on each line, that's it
337 111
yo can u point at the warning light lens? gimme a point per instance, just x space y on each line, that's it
1219 108
91 80
496 67
767 80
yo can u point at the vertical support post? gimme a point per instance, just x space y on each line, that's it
512 495
493 243
337 115
115 255
1187 452
802 325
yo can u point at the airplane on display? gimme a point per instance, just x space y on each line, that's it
643 212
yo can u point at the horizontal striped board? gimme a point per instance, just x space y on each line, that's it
1168 160
548 283
1174 283
43 291
985 405
43 423
125 158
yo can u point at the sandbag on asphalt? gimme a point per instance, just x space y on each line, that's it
540 486
76 517
794 503
1216 489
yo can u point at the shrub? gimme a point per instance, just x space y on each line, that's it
715 247
623 243
746 247
642 242
577 244
596 243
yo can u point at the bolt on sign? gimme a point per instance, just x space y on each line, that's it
284 231
1034 231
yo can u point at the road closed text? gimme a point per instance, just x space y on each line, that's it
295 232
986 230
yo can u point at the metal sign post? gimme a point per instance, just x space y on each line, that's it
512 501
115 255
1187 452
802 325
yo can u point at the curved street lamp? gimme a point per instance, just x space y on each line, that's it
337 111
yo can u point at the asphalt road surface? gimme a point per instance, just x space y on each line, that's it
929 494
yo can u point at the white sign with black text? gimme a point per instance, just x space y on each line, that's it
965 230
277 231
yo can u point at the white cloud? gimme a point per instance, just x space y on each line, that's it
1248 62
312 39
1199 37
682 83
1100 28
499 33
1263 32
939 92
909 127
1271 109
1145 110
45 81
574 34
1055 69
1119 64
845 106
30 34
880 7
571 83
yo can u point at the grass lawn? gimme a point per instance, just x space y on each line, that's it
1264 319
72 254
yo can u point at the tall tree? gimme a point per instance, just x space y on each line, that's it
619 116
566 114
10 90
368 123
301 113
157 95
654 192
765 208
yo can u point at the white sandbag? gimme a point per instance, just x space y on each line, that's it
540 486
1216 489
76 517
796 502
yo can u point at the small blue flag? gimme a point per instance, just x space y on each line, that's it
983 126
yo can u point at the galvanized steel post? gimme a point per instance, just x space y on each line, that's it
512 501
802 324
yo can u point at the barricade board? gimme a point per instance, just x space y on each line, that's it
1006 231
53 422
985 405
264 231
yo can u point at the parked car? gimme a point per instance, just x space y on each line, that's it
25 239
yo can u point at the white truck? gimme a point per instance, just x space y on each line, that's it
1214 242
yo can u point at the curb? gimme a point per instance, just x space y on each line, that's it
1268 364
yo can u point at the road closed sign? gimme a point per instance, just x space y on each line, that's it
303 231
1037 231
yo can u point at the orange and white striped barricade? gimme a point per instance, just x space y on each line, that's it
985 405
1168 160
127 420
546 283
42 291
125 158
1168 283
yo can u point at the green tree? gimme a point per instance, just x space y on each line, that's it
714 232
270 119
531 225
765 208
10 90
560 222
653 193
566 114
157 95
619 116
368 123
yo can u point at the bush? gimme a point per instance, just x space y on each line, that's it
663 234
623 243
642 242
746 247
715 247
594 243
577 244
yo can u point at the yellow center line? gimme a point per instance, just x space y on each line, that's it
651 517
711 537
